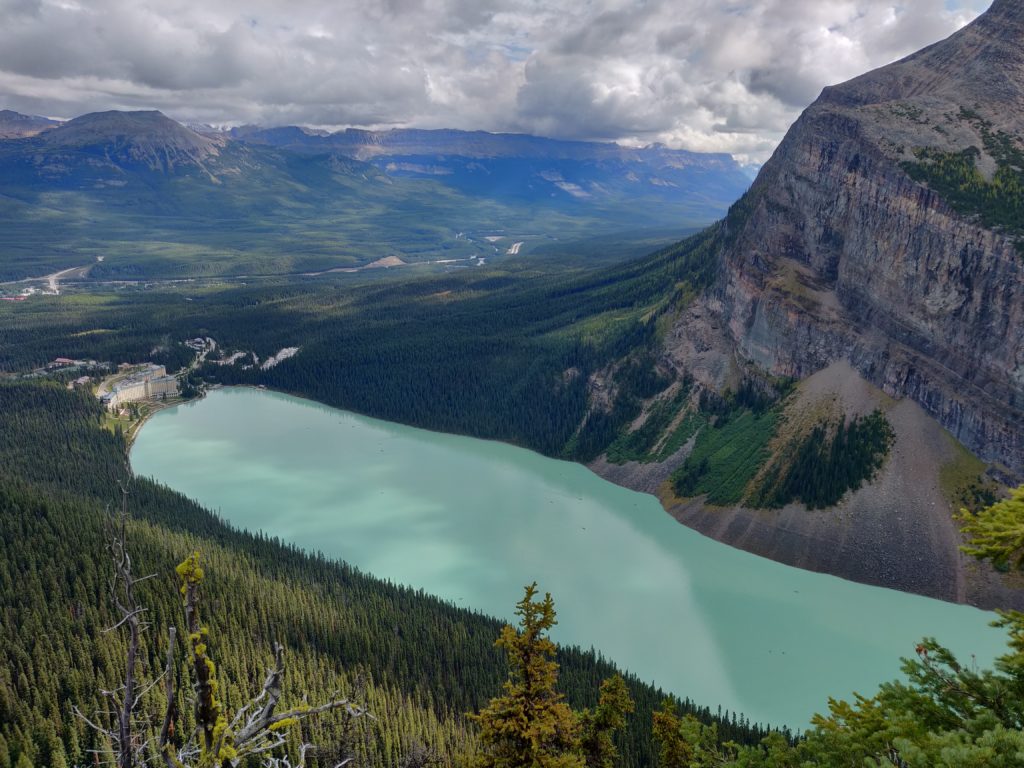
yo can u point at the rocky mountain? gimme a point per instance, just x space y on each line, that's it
14 125
520 166
107 149
848 246
150 139
879 259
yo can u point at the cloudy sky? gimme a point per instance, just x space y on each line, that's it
707 75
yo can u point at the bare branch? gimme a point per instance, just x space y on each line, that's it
128 617
272 692
301 714
170 712
91 724
265 729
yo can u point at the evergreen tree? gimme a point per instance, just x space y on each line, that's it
674 749
599 725
530 726
416 662
997 532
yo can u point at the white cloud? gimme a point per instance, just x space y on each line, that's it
714 75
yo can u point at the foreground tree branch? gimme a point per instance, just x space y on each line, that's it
257 730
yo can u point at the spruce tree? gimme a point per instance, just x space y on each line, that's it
674 749
530 726
997 532
599 725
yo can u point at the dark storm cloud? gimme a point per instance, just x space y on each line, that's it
717 75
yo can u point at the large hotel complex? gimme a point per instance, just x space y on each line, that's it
148 383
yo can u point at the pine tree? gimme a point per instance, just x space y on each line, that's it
598 725
685 742
530 726
674 749
997 532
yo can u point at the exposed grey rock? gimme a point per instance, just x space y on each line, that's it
836 253
147 138
839 269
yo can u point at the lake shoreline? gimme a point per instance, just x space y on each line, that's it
471 521
738 528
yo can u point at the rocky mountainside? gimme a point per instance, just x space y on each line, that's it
14 125
149 139
854 244
878 261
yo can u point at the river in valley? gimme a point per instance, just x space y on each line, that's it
474 521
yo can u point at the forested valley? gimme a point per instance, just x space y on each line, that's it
504 354
418 664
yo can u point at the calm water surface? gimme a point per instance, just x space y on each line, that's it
473 521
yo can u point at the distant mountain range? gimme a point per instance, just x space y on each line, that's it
527 166
15 126
319 200
475 162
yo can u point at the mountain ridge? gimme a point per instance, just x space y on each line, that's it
856 266
925 301
14 125
158 199
476 144
146 137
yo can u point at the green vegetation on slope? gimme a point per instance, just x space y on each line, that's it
417 663
734 459
955 176
639 444
726 457
495 354
999 202
828 462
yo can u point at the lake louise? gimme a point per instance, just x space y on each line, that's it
473 521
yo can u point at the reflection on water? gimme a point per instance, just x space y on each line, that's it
473 521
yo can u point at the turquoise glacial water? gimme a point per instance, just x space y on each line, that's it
473 521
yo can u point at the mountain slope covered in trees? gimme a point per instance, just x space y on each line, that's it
418 664
708 372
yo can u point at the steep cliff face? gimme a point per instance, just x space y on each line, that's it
837 253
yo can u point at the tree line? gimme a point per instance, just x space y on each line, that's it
418 663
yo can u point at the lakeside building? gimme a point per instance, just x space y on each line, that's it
150 382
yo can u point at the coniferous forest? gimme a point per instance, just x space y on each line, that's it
420 666
417 664
533 291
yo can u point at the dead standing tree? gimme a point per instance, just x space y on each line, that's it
256 730
125 701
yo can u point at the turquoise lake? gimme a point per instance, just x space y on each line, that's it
473 521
